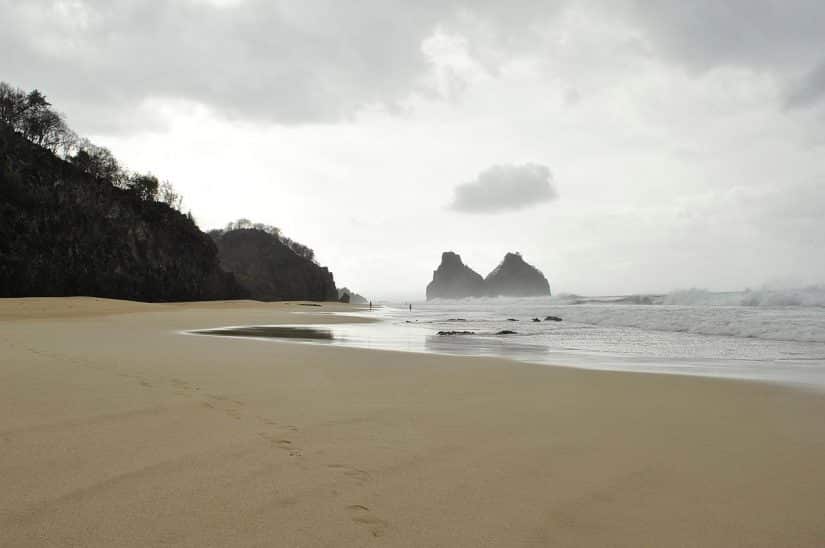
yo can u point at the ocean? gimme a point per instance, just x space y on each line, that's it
776 336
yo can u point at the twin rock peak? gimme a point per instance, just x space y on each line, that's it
513 277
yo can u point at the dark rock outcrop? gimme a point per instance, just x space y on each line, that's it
447 333
63 233
516 278
506 332
552 319
351 296
513 277
269 270
454 280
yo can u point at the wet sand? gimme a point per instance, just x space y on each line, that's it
117 430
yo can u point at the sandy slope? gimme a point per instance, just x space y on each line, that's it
115 430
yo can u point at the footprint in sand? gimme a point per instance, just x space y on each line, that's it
359 476
183 388
229 407
363 516
281 443
287 446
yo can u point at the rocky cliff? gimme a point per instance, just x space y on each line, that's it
346 295
269 270
455 280
63 232
514 277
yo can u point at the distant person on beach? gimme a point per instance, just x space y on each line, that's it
370 305
410 307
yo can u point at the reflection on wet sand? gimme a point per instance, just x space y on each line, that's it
270 332
387 336
487 345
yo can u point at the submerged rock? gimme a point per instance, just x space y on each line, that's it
454 280
512 320
536 320
552 319
443 333
516 278
506 332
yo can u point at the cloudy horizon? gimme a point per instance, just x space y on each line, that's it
622 148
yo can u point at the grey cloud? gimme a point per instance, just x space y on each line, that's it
782 38
709 33
258 60
294 62
505 187
810 90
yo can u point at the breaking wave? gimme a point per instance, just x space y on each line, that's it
808 296
802 324
779 315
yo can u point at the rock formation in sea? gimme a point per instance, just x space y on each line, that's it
64 232
455 280
269 270
514 277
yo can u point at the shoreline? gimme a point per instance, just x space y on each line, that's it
333 340
118 432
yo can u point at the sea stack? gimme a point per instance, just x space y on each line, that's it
455 280
516 278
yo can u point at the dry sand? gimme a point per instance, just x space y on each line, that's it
115 430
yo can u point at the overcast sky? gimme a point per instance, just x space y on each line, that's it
622 146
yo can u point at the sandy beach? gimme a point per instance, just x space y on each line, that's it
117 430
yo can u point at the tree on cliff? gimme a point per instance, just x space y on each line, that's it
64 232
31 115
245 224
144 185
300 249
269 269
168 195
76 222
99 162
